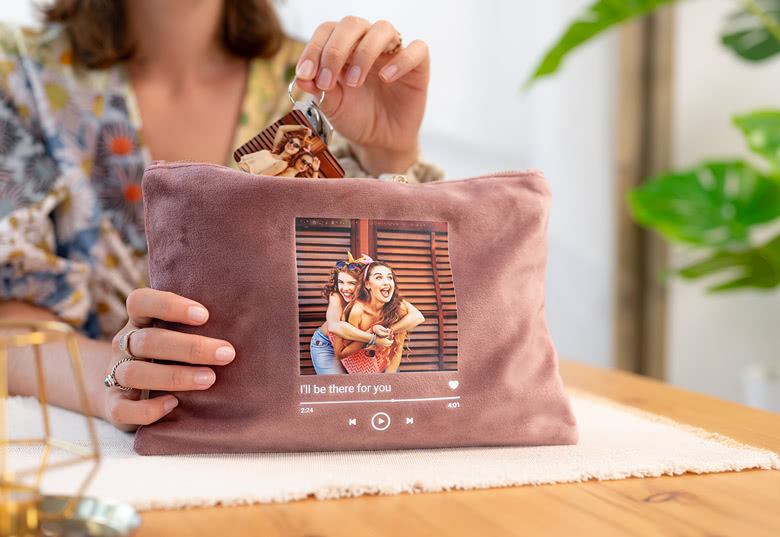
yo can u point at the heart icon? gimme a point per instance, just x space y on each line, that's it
453 384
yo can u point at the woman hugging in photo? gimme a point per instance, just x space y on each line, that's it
377 305
339 290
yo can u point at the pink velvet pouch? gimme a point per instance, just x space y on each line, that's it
455 268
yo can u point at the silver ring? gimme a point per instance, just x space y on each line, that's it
289 92
111 381
124 343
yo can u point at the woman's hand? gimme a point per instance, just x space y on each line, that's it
375 99
381 331
123 408
383 342
384 336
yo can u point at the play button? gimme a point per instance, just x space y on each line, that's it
380 421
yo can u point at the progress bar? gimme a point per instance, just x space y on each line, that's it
379 401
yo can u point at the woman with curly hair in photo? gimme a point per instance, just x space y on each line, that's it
377 303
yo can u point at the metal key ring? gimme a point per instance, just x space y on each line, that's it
289 92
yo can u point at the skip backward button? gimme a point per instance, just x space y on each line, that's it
380 421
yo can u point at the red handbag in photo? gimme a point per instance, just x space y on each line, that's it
364 361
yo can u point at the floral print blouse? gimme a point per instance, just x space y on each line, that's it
71 160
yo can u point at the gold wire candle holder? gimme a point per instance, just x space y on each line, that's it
23 510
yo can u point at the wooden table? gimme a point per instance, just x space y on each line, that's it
744 504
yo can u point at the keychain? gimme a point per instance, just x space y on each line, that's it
294 146
314 115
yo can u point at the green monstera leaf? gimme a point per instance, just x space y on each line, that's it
598 18
753 33
756 267
762 133
712 205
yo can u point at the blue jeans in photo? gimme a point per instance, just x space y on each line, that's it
323 356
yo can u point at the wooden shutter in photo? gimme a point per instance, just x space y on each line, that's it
419 255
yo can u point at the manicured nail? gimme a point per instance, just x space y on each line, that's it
323 81
305 70
205 377
353 75
225 354
170 403
197 314
389 72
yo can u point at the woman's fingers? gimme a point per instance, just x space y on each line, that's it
338 48
309 62
144 305
384 342
161 344
378 39
123 411
415 55
382 331
353 39
143 375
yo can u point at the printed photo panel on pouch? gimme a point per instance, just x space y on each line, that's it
375 296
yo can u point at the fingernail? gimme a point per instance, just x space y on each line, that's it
305 70
323 81
205 377
197 314
225 354
389 72
353 75
170 404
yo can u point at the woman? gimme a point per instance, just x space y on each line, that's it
201 78
288 141
378 301
339 290
304 164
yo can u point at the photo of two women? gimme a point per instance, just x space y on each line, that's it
362 300
290 155
358 313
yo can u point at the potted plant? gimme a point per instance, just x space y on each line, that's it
715 207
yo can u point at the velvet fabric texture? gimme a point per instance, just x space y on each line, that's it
226 239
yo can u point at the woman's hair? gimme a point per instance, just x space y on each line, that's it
308 172
300 134
391 311
333 280
97 29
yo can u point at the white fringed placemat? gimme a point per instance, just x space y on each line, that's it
615 443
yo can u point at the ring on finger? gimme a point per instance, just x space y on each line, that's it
111 381
124 343
397 46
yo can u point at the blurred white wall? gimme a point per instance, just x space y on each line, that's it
478 121
712 337
21 12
